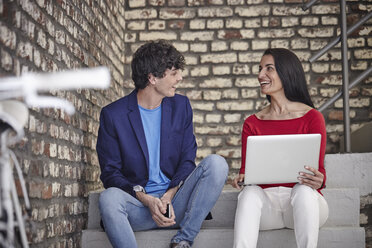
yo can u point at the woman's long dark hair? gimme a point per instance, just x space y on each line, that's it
291 74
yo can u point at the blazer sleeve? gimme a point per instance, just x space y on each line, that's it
188 150
109 155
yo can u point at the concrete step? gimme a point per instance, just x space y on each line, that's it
329 237
348 179
343 208
343 205
352 170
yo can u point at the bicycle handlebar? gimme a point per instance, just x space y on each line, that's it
13 116
29 84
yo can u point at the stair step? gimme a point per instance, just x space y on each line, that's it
350 170
348 179
329 237
344 206
343 209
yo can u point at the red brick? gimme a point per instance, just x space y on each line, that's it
4 12
336 115
47 192
36 169
235 34
47 150
18 187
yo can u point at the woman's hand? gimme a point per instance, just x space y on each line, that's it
313 180
238 179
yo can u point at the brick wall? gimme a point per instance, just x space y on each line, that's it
58 153
223 41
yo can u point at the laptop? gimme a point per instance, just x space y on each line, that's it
272 159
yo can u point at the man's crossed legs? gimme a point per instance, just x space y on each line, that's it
122 214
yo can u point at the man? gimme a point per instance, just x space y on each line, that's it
146 150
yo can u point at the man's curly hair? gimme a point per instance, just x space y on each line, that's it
154 57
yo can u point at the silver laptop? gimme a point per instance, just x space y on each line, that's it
272 159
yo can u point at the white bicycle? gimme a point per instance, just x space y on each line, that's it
13 117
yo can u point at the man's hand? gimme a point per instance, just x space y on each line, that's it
168 196
157 209
313 180
167 199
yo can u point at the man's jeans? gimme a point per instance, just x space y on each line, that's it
122 213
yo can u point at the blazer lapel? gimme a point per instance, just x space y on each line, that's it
136 122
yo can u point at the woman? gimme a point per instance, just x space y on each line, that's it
298 206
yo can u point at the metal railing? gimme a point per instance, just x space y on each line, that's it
345 67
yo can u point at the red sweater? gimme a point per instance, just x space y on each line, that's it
311 122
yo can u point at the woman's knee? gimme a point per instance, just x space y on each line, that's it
302 189
302 193
323 210
252 194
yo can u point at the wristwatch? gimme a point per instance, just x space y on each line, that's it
139 188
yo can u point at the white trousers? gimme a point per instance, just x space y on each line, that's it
300 208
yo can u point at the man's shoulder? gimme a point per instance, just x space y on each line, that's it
117 103
114 107
120 104
178 99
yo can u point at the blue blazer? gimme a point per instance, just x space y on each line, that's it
122 149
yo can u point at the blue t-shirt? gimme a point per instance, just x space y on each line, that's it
151 121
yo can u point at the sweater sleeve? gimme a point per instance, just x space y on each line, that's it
317 125
245 133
